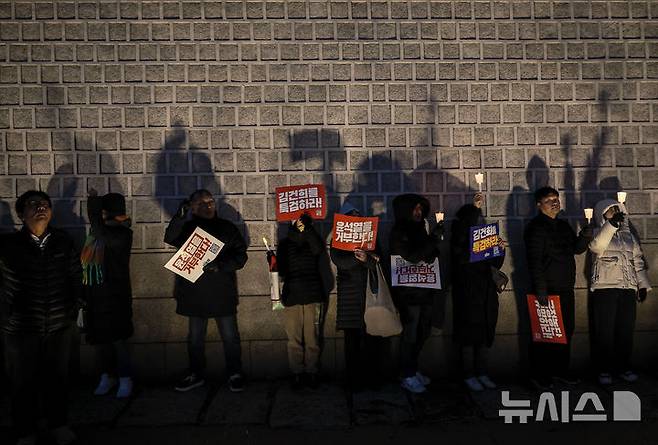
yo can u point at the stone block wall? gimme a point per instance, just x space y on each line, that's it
154 99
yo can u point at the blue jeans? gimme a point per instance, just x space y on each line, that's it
196 343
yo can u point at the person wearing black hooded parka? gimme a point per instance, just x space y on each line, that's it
474 298
298 259
414 242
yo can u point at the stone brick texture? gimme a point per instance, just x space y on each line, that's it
155 99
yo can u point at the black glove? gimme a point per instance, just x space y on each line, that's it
306 220
617 219
641 295
211 267
587 231
542 300
183 207
439 229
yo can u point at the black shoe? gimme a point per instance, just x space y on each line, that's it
236 383
297 382
542 383
567 379
312 380
189 382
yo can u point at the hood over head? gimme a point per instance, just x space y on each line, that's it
602 206
404 205
469 215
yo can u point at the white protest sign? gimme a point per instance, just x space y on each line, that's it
199 249
404 273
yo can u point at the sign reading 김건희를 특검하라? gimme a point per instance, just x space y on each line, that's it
295 200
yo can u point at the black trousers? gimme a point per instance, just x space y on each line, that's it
613 319
552 359
37 369
365 358
416 329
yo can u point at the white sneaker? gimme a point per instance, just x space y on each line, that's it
423 379
474 384
412 384
63 435
125 388
605 379
487 382
27 440
105 385
628 376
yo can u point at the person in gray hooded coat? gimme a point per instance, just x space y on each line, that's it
618 278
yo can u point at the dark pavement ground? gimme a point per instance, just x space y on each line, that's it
270 412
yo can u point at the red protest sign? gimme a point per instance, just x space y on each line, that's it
546 321
354 232
295 200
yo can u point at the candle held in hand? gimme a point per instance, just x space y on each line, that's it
588 215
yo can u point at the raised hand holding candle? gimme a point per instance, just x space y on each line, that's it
439 216
621 197
479 178
588 215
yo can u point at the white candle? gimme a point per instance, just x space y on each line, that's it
439 216
621 197
588 214
479 178
267 246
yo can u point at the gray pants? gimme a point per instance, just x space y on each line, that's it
303 347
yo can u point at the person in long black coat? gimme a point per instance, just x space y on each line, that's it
214 294
474 298
298 259
364 353
412 240
107 290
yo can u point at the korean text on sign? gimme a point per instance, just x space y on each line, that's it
484 242
404 273
199 249
292 202
354 232
546 321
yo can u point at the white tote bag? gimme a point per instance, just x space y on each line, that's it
381 316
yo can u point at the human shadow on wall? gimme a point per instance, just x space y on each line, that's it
66 191
182 168
7 223
519 210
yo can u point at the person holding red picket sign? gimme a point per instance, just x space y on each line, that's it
551 244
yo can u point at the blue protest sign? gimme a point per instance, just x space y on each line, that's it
484 242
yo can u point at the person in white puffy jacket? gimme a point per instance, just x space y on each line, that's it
619 278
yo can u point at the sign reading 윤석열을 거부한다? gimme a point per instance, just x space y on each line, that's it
199 249
354 232
484 242
295 200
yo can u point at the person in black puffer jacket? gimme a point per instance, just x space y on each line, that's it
40 285
108 296
411 239
298 257
551 244
364 353
214 294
